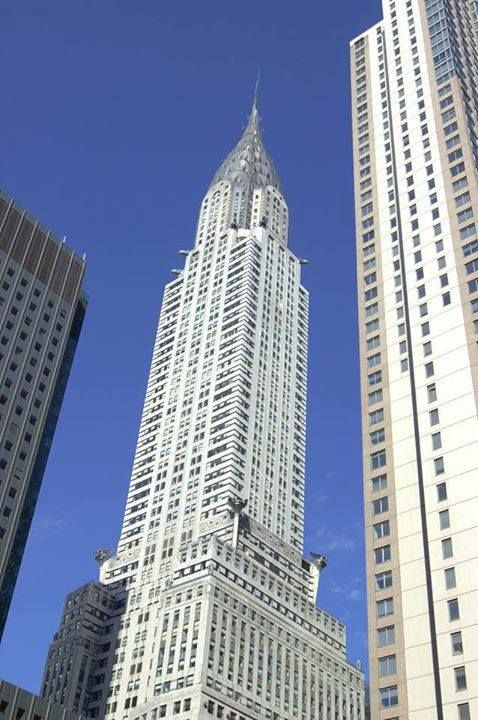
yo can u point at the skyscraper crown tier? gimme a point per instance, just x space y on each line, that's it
247 167
207 608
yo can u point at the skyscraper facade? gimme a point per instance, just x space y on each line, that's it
41 313
415 125
207 607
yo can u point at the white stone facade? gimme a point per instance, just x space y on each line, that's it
212 606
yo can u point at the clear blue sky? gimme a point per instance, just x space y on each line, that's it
114 116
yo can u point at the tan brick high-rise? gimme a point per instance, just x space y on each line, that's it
415 123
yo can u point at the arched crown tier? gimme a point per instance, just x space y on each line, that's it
247 168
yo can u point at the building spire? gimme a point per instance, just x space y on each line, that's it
255 102
249 163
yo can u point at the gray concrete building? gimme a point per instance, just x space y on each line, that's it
207 608
41 313
415 127
19 704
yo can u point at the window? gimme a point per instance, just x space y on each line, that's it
464 215
436 441
434 417
447 548
460 184
388 696
387 665
374 360
381 529
432 393
378 459
385 607
439 465
386 636
371 326
450 578
457 169
468 231
470 248
453 610
375 378
456 643
369 250
444 516
471 267
448 115
473 285
464 712
376 417
383 554
380 506
429 369
383 580
375 397
377 437
379 483
441 492
460 678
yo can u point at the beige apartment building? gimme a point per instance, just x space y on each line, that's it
415 123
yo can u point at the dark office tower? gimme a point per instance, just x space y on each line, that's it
41 313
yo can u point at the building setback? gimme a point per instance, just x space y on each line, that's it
207 607
41 313
415 123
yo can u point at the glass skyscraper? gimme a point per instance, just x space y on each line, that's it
41 313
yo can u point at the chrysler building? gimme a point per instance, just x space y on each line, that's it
207 608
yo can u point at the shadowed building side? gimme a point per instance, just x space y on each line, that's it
41 314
